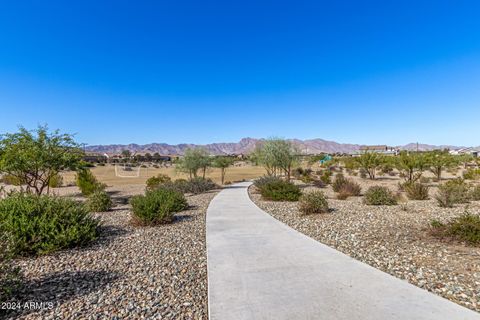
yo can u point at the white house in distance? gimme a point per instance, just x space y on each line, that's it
473 151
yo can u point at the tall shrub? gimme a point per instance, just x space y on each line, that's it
42 224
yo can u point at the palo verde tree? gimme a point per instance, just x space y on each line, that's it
35 157
411 165
277 155
438 161
193 161
223 163
370 162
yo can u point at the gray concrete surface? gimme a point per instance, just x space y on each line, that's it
259 268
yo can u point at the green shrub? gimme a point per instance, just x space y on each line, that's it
43 224
157 206
472 174
12 180
326 176
280 190
157 181
99 201
453 192
416 191
195 185
9 275
464 228
378 195
313 202
262 181
87 182
475 193
56 181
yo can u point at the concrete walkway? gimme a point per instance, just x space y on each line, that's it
259 268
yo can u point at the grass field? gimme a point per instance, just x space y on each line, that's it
107 175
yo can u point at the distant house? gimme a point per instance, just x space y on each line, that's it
382 149
95 157
475 152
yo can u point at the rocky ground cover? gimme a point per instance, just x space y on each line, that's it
129 272
395 239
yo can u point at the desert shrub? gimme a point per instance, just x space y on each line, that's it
280 190
326 176
338 182
319 183
9 275
157 206
464 228
99 201
157 181
56 181
262 181
196 185
43 224
416 191
362 173
345 187
425 180
453 192
87 182
12 180
472 174
378 195
475 193
313 202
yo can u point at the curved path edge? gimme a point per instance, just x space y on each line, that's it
260 268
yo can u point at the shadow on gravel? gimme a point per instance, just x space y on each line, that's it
182 218
55 289
109 233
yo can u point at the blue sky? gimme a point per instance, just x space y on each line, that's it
365 72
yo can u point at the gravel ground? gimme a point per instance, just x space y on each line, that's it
136 273
394 239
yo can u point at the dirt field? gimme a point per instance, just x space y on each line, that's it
107 175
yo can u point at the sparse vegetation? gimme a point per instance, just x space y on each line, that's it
99 201
453 192
223 163
345 187
313 202
475 193
378 195
196 185
416 191
157 207
156 181
411 165
325 177
465 228
193 161
370 163
472 174
276 156
87 182
43 224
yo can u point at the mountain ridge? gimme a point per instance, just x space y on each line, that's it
247 145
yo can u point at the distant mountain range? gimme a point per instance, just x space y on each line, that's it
246 145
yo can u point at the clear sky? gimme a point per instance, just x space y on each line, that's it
389 72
